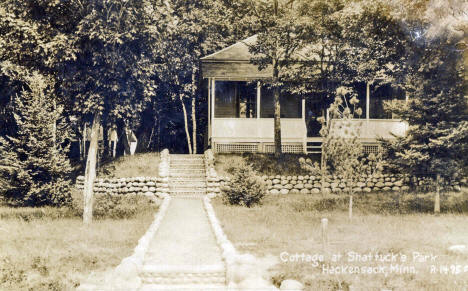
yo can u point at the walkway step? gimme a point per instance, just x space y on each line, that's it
187 187
187 166
187 157
211 287
187 179
183 171
188 175
187 161
185 274
187 184
178 193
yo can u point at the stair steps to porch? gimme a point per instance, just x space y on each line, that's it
175 157
314 147
187 184
187 176
191 166
187 171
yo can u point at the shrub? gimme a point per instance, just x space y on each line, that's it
246 188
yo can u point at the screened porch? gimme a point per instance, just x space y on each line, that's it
241 118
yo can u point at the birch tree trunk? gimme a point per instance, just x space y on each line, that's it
194 119
90 171
189 142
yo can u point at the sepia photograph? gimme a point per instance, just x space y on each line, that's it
234 145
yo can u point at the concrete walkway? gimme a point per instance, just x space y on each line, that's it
183 254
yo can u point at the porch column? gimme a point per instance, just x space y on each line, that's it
209 111
304 138
367 99
259 90
303 109
213 96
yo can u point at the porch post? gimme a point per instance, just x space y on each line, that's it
367 99
209 111
304 137
213 96
258 98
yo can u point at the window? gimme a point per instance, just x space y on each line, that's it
235 99
291 105
381 95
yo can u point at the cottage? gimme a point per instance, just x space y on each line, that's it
240 108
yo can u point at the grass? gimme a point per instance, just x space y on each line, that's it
265 164
290 224
138 165
47 248
56 254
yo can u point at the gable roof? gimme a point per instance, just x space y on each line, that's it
236 52
239 52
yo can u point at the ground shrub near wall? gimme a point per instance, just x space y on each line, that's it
246 187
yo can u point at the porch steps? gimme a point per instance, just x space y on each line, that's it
314 147
187 176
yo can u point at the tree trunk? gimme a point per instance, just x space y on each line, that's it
437 196
90 171
85 129
277 115
194 119
54 127
105 140
189 143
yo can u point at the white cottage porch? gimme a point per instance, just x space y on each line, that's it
240 109
244 125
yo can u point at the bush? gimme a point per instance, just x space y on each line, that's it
246 187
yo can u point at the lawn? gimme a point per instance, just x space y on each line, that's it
286 225
138 165
40 252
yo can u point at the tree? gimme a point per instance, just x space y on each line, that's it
278 27
114 68
185 32
34 164
435 144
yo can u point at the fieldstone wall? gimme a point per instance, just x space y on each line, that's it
148 186
333 184
313 184
213 181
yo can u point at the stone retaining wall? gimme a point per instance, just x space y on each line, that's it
213 181
312 184
158 186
